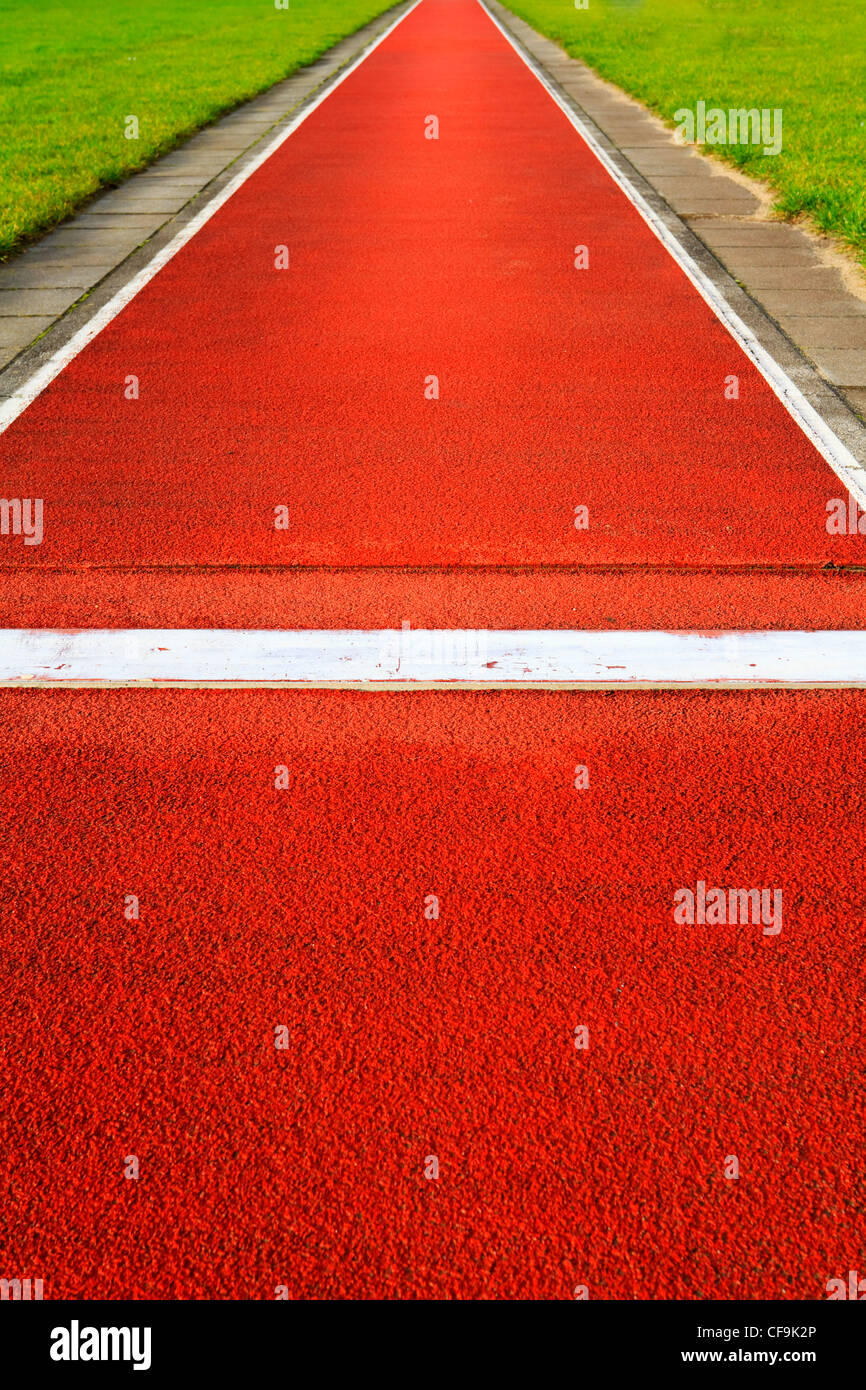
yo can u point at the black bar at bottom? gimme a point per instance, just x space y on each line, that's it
415 1340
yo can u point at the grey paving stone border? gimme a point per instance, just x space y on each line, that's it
772 274
52 288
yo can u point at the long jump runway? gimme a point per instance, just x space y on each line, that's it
396 992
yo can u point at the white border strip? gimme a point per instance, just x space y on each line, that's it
431 658
36 384
828 444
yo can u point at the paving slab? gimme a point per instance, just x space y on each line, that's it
814 278
137 221
252 123
78 231
40 302
41 279
843 366
723 205
142 201
755 256
17 332
739 232
827 332
664 161
168 183
59 260
196 164
699 183
805 304
690 199
219 140
650 141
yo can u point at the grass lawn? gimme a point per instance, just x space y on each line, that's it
806 56
71 71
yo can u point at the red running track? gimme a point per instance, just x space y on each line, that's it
411 1037
412 257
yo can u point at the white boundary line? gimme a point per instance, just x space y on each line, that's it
44 375
828 444
431 658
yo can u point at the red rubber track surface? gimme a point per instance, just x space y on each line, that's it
411 1037
451 598
305 907
409 258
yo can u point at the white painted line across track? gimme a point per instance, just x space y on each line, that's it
432 658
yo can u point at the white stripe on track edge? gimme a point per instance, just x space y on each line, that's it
44 375
432 659
826 441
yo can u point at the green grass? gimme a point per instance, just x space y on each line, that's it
806 56
71 71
